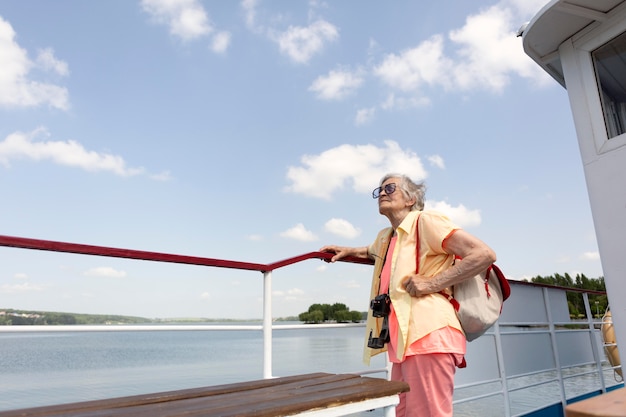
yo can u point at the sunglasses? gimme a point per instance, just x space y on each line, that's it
388 188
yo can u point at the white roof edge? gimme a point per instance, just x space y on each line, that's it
556 22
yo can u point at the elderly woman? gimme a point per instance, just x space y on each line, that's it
420 331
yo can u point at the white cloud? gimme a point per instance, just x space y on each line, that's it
19 288
16 88
489 52
205 295
47 61
336 85
299 232
412 68
524 8
186 19
437 161
21 275
460 214
292 294
105 272
364 116
220 42
300 44
352 284
163 176
291 291
360 166
393 102
249 9
482 54
254 238
591 256
20 145
343 228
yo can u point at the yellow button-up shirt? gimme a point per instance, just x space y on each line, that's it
417 316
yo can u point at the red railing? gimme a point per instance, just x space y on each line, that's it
48 245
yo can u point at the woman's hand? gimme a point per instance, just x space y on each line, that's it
339 251
417 285
343 251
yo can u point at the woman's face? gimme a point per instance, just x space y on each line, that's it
394 202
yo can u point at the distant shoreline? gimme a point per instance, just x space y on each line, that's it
15 317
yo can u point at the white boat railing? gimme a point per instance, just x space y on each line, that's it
535 346
545 358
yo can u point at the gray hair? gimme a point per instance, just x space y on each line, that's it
410 189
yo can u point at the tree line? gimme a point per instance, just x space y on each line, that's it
11 317
598 302
319 313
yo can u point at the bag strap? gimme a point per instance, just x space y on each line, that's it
417 244
383 266
448 297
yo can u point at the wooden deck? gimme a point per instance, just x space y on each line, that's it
318 394
611 404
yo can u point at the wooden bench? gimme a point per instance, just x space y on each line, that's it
318 394
611 404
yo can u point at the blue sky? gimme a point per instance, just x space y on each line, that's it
255 131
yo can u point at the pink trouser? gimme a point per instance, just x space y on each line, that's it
431 379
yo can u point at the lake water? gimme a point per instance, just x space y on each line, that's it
49 368
44 368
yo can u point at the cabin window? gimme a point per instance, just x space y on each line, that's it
610 65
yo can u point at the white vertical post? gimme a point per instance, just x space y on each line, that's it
555 347
390 411
592 338
267 325
502 369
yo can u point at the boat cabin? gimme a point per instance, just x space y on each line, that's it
582 45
